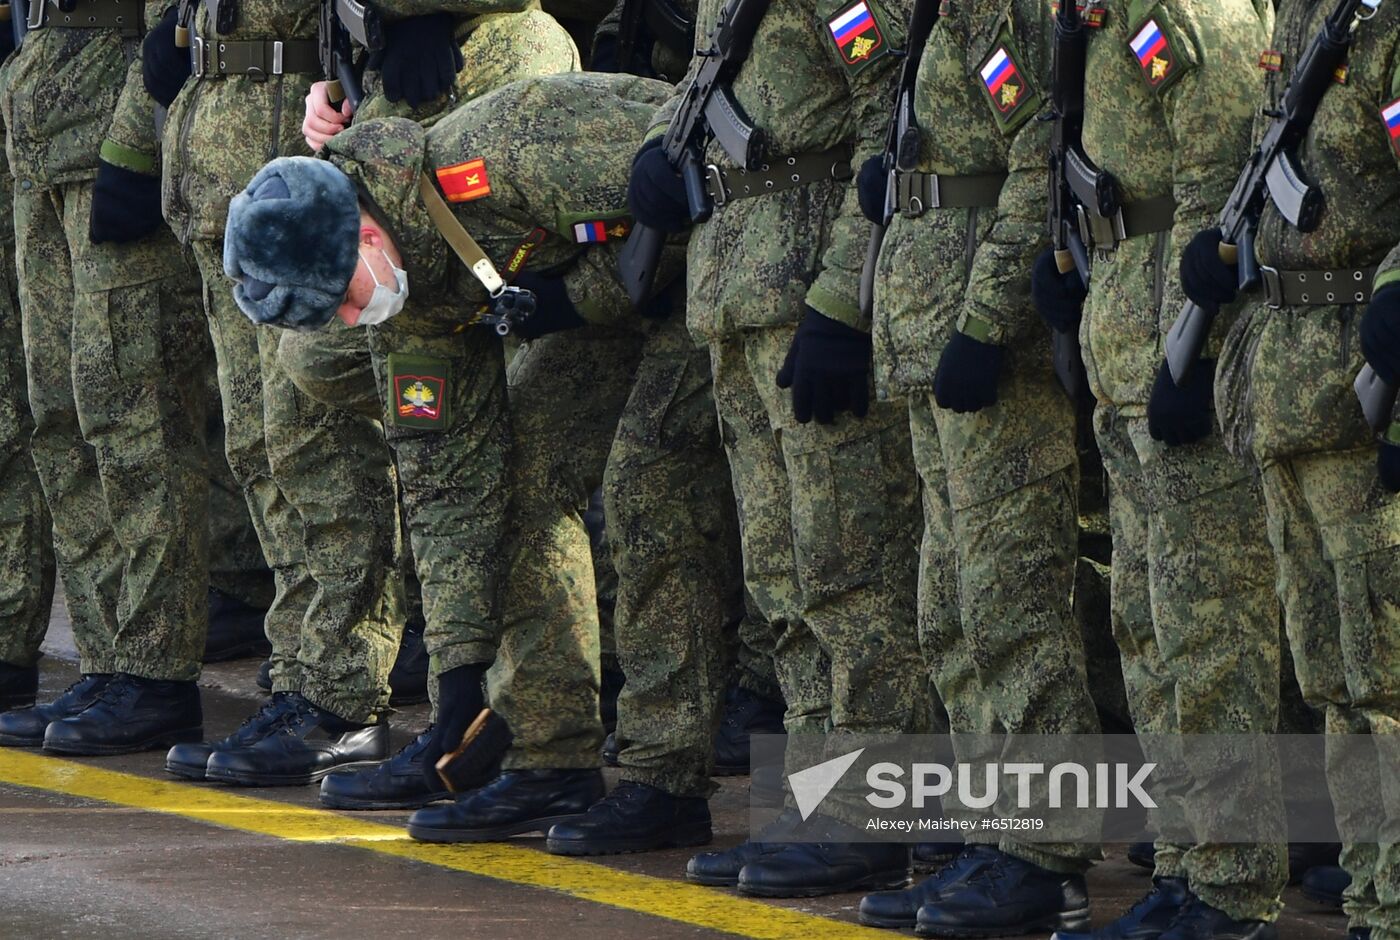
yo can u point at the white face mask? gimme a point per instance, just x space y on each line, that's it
385 302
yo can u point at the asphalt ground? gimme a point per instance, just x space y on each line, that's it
115 848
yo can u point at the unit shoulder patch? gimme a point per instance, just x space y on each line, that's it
1159 60
1009 91
418 386
465 181
856 33
1390 114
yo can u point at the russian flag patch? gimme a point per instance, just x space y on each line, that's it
1154 54
463 182
1002 80
1391 115
589 232
856 34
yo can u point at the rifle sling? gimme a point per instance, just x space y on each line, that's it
1316 288
255 57
918 192
459 239
726 185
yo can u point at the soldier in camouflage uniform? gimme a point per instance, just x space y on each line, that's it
1194 613
1284 399
114 356
994 440
773 292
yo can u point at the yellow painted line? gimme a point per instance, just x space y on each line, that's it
659 897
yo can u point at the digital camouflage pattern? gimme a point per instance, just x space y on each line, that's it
1283 392
1000 485
1193 607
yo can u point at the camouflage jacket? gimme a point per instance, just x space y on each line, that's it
1172 119
65 92
973 264
819 76
541 163
221 130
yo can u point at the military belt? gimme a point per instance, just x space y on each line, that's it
254 57
726 185
125 15
1144 217
916 193
1316 288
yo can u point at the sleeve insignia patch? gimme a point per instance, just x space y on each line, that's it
601 231
463 182
1271 60
1154 54
418 392
856 34
1391 115
1006 88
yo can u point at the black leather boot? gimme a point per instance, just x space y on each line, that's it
408 680
809 869
899 910
130 714
397 783
721 869
931 856
25 727
1199 921
18 686
1305 856
303 745
1145 920
1007 898
1143 854
235 629
1325 885
745 713
191 760
634 817
517 801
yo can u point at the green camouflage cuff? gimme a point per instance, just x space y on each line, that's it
984 331
836 308
460 654
1385 279
128 158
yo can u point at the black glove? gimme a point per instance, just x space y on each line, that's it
1179 415
1059 298
967 376
554 311
1380 333
655 192
164 66
125 204
828 369
420 59
461 697
1206 279
870 188
1388 465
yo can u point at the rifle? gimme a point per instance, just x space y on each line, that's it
707 110
341 22
902 141
1272 173
1074 180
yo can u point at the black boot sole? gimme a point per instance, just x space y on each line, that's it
712 881
185 771
341 802
879 881
489 833
12 740
166 739
11 702
674 839
888 923
1319 897
1068 921
238 779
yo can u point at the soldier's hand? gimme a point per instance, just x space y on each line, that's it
828 369
323 120
1380 333
1388 460
1178 414
164 65
871 182
1205 276
967 375
655 191
125 204
420 59
554 311
461 697
1058 297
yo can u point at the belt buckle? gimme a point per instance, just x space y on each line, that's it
277 57
715 177
934 191
35 15
197 56
1273 286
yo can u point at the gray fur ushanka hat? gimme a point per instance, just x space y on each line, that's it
291 243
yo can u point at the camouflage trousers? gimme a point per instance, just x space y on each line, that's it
1000 491
243 354
1283 393
236 563
26 546
1196 621
828 521
115 355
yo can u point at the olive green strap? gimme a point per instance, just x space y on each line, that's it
1316 288
125 15
459 238
916 193
773 176
255 57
